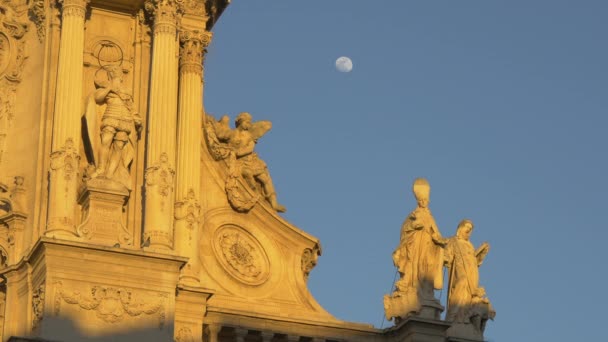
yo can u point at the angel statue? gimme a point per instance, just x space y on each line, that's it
468 306
238 145
112 127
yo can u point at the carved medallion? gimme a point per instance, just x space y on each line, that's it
241 255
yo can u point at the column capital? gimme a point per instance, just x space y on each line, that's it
193 48
164 13
74 7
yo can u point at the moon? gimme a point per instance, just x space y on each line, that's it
344 64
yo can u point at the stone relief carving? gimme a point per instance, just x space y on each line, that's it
419 260
112 123
248 177
241 255
468 306
113 304
188 209
162 175
13 26
38 306
38 13
184 334
66 158
309 260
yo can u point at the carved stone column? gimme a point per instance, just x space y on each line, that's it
66 125
187 206
162 121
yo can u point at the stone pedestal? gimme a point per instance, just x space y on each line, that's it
73 291
415 329
102 201
464 332
190 309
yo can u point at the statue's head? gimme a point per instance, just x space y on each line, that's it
464 230
422 192
243 121
114 71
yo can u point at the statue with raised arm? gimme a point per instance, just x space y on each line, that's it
112 126
468 307
419 260
238 146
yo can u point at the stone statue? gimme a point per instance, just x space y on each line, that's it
468 306
112 127
419 260
238 145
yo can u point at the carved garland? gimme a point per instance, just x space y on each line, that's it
112 304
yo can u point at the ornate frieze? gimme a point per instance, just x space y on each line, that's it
241 255
113 304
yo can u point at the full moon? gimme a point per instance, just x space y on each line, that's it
344 64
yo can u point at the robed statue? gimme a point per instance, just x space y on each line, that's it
111 127
468 307
419 260
236 146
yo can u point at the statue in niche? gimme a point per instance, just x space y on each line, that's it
112 127
237 147
468 306
419 260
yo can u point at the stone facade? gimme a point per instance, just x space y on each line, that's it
129 213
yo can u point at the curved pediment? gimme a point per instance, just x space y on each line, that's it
252 258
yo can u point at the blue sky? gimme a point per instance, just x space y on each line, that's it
501 105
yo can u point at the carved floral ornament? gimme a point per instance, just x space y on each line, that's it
13 26
113 304
37 306
241 255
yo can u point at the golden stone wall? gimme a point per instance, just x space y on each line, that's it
125 209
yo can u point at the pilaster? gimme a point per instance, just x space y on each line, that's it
187 205
162 122
66 125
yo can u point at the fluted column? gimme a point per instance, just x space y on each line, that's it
162 122
187 205
66 123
